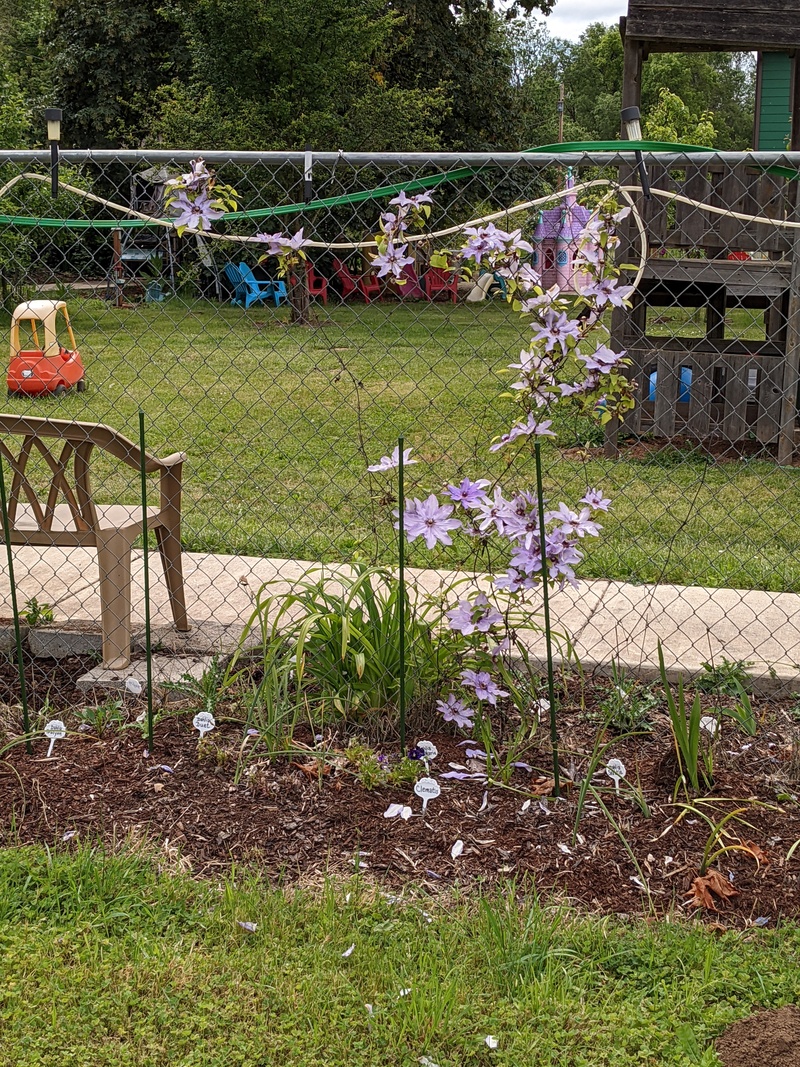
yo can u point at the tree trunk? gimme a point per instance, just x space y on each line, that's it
299 299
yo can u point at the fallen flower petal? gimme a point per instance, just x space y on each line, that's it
249 927
348 951
457 849
491 1041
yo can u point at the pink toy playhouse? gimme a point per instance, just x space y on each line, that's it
555 241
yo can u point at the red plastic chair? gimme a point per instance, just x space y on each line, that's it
438 280
317 284
368 288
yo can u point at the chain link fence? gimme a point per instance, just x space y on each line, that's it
281 404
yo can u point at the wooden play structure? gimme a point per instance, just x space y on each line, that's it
67 514
717 385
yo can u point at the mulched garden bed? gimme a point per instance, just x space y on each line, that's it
296 824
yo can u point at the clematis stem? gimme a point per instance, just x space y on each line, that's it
548 637
401 612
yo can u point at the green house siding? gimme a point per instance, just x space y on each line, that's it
775 120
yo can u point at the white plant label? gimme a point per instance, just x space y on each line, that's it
427 789
615 769
55 730
429 750
133 686
204 722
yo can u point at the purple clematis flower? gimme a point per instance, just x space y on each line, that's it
469 494
430 520
468 617
603 359
557 330
276 242
402 200
455 710
524 429
573 523
485 688
607 291
392 260
388 462
595 500
196 214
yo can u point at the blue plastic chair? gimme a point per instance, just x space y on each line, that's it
261 290
684 386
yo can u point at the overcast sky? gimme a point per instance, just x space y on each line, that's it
571 17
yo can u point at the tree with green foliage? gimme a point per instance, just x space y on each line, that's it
107 57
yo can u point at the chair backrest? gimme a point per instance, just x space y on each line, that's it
345 276
248 277
441 276
234 276
69 467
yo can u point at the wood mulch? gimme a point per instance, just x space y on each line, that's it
295 824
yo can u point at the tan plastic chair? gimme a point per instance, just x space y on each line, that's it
78 520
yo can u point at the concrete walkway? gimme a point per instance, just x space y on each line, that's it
606 621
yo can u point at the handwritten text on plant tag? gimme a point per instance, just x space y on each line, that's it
427 789
204 722
55 730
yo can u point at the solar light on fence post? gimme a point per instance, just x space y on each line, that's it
308 175
146 563
53 118
632 121
548 635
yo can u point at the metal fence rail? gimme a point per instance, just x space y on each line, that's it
279 419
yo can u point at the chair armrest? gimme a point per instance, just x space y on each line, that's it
174 460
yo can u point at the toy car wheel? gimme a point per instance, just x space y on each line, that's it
60 390
81 386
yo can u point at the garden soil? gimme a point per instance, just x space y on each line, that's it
768 1039
308 815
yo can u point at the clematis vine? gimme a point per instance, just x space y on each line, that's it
196 199
393 255
561 369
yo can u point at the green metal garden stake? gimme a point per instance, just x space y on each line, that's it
23 692
401 552
548 636
146 561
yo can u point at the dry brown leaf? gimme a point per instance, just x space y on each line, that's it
706 886
757 852
543 787
312 770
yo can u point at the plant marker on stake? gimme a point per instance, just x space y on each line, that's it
146 562
204 722
429 752
615 769
551 689
23 694
55 730
401 613
427 789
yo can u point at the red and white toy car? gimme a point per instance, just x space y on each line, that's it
41 361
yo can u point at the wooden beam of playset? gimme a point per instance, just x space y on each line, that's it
714 25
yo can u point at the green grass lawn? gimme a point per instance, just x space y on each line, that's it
279 423
107 964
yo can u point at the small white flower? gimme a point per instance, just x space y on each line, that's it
457 849
491 1041
348 952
